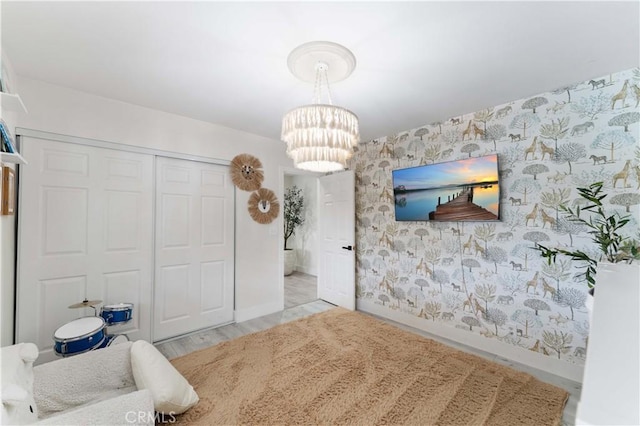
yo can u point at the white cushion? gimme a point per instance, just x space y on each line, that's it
171 392
71 382
17 364
18 405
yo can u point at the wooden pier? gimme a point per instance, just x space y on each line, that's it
461 207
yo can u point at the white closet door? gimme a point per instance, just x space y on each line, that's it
85 231
194 276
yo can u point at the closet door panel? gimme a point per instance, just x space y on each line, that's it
64 208
52 307
194 247
85 231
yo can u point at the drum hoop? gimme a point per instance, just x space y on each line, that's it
94 347
84 336
115 308
114 337
66 354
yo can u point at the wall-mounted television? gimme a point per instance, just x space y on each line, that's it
462 190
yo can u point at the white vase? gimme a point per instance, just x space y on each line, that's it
289 261
588 303
611 382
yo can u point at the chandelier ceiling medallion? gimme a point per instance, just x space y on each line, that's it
320 136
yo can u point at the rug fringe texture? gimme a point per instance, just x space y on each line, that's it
343 367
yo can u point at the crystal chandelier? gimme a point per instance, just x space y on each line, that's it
320 137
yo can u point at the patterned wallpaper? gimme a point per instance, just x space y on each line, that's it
484 277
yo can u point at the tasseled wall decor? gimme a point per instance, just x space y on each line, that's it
264 206
246 172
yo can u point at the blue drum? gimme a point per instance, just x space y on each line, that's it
117 314
113 339
79 336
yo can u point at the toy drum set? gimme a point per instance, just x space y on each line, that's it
90 333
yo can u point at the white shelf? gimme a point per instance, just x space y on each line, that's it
6 157
12 102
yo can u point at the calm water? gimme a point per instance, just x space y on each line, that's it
420 203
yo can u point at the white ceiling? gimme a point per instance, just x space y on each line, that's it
226 62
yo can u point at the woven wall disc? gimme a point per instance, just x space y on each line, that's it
246 172
264 206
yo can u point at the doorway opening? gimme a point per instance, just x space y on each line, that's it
301 286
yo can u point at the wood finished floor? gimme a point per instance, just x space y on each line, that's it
206 338
299 288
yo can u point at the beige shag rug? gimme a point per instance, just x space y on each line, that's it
342 367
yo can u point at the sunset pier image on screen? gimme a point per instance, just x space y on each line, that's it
463 190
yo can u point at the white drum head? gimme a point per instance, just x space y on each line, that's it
79 327
118 307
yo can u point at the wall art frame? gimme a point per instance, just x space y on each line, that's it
8 191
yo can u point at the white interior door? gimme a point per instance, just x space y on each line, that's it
336 265
85 232
194 276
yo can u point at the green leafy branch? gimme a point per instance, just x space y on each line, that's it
604 230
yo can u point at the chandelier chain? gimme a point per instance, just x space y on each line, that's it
326 78
322 78
316 88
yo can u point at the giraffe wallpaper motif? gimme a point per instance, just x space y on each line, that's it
484 277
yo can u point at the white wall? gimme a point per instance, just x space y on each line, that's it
64 111
304 241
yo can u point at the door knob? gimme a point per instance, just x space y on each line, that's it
348 248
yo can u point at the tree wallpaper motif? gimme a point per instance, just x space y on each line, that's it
485 277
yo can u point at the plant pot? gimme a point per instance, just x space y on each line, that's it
611 383
289 261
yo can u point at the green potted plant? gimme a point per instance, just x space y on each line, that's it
614 321
293 217
614 247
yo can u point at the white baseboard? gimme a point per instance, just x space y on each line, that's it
258 311
495 347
